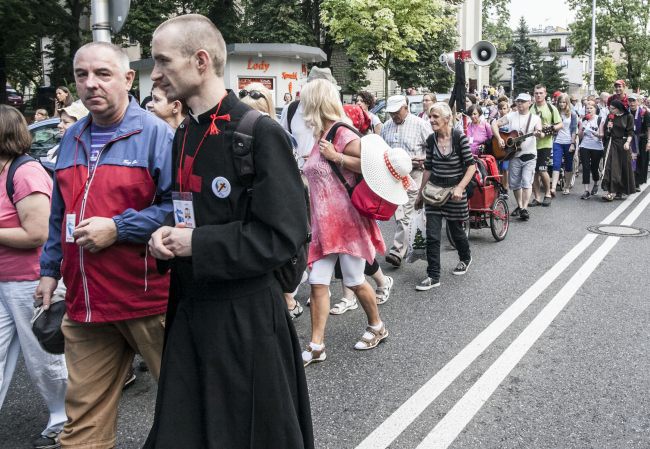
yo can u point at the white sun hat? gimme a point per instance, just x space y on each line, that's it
386 170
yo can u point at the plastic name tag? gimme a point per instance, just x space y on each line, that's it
183 209
70 223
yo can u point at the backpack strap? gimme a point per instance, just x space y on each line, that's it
291 111
15 164
330 138
242 148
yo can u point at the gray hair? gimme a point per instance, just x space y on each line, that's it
122 57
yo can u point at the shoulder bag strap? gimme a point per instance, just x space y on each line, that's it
330 138
11 171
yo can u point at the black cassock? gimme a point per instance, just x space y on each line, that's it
232 374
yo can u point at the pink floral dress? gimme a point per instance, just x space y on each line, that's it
337 227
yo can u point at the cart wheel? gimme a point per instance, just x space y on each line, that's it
465 228
499 219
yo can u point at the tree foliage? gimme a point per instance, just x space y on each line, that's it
605 74
289 25
495 14
625 22
426 71
526 59
381 31
553 76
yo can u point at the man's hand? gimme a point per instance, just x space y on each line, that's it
179 241
626 146
502 143
156 247
95 233
419 201
45 290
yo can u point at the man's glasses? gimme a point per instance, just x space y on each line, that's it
254 94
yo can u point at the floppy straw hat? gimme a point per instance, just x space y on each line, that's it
386 170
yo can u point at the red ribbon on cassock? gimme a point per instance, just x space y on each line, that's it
213 130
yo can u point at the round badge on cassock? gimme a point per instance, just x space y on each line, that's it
221 187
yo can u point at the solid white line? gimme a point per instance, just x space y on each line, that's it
448 429
401 418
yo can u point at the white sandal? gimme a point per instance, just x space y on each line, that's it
344 305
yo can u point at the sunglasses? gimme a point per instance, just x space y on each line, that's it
254 94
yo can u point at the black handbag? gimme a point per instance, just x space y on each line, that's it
46 325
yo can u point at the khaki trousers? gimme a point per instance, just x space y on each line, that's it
99 356
403 216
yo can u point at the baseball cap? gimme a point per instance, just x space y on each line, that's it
523 97
395 103
76 110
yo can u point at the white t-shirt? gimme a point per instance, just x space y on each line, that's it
303 134
518 122
564 134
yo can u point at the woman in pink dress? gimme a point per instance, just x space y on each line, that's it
338 230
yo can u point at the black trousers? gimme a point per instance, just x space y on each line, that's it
642 164
590 160
434 227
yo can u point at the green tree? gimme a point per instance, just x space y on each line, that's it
625 22
289 25
427 71
495 14
526 59
553 76
381 31
605 74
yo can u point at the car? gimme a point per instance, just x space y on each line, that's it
45 136
15 98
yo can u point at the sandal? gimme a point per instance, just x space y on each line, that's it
311 355
344 305
609 197
383 293
371 338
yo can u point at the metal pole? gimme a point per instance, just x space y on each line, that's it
100 21
592 87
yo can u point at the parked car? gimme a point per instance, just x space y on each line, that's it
45 136
15 98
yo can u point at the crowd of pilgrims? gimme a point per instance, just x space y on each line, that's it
605 135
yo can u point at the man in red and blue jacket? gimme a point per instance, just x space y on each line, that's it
112 189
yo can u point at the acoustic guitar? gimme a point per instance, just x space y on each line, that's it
513 141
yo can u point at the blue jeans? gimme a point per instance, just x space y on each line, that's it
561 150
47 371
434 227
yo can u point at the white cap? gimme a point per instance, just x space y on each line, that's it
395 103
523 97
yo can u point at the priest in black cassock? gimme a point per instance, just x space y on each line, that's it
232 376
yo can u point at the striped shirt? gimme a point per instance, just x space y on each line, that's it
99 137
411 135
448 171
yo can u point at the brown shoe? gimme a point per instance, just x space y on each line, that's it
394 260
371 338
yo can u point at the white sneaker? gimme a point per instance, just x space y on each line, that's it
383 293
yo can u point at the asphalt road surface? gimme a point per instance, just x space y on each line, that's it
543 344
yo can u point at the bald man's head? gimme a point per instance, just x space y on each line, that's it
204 35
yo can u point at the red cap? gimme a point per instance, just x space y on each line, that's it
556 94
621 82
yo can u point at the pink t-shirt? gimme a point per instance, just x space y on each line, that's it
478 135
337 227
20 264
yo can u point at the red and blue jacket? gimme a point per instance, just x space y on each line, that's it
132 185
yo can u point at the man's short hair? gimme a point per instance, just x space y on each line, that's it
204 35
122 58
540 86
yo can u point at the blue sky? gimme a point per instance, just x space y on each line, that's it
546 13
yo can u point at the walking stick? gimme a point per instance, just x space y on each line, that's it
601 173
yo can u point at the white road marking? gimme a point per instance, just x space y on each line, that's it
449 427
404 416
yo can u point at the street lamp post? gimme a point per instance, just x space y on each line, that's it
592 87
99 10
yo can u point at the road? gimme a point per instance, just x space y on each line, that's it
543 344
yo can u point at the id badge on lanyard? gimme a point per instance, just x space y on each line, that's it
70 223
183 209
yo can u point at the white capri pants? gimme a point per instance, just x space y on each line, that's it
351 267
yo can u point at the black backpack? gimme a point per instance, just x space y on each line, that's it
15 164
290 274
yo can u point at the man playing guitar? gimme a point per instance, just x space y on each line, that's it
522 164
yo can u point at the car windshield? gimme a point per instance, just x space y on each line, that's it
44 139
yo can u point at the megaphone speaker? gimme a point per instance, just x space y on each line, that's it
483 53
447 60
